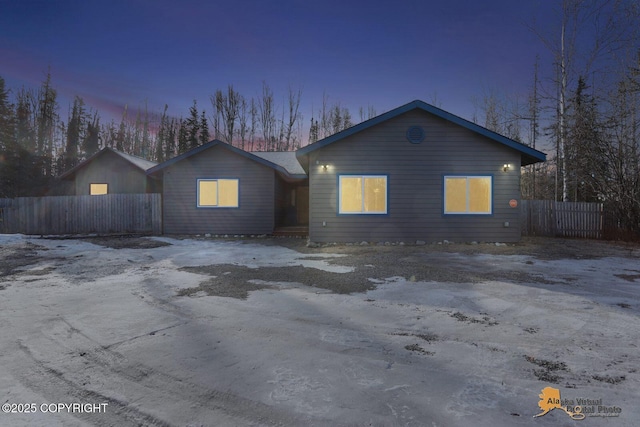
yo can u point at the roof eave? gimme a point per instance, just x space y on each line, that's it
527 160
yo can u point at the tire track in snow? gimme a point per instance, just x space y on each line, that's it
64 365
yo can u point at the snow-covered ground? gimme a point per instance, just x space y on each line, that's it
86 324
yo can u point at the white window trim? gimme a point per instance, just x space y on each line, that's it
362 212
217 206
444 201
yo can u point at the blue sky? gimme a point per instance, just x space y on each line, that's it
359 53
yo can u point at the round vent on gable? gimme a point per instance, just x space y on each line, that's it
415 134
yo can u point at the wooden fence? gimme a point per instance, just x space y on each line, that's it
106 214
562 219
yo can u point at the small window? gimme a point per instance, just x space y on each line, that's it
366 194
98 189
467 195
218 193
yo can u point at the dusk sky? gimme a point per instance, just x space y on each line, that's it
359 53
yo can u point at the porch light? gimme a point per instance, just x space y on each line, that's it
506 167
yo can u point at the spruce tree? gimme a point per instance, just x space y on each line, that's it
91 142
47 119
183 137
193 126
170 145
161 139
75 131
204 129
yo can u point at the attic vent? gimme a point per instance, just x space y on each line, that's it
415 134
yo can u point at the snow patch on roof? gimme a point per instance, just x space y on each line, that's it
285 159
136 161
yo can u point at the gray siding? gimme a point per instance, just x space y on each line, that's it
415 183
256 187
109 168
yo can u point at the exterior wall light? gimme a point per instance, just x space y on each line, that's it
324 166
506 167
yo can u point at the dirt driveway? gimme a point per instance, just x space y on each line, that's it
203 332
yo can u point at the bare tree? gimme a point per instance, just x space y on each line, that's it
368 113
243 122
616 174
325 118
226 107
502 114
267 116
492 119
435 100
291 136
332 119
253 113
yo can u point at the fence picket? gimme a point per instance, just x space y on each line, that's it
562 219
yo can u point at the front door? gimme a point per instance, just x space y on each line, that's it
302 205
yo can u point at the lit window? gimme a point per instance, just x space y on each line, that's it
362 194
467 195
98 189
218 193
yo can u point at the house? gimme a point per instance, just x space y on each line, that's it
415 173
220 189
109 172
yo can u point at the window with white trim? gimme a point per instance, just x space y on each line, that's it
218 193
362 194
468 195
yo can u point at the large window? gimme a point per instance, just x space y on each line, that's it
218 193
364 194
467 195
98 189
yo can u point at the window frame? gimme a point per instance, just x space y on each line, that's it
363 176
91 184
216 180
467 177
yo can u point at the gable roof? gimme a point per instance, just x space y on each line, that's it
529 155
279 161
138 162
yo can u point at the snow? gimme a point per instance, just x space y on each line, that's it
106 325
186 253
8 239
